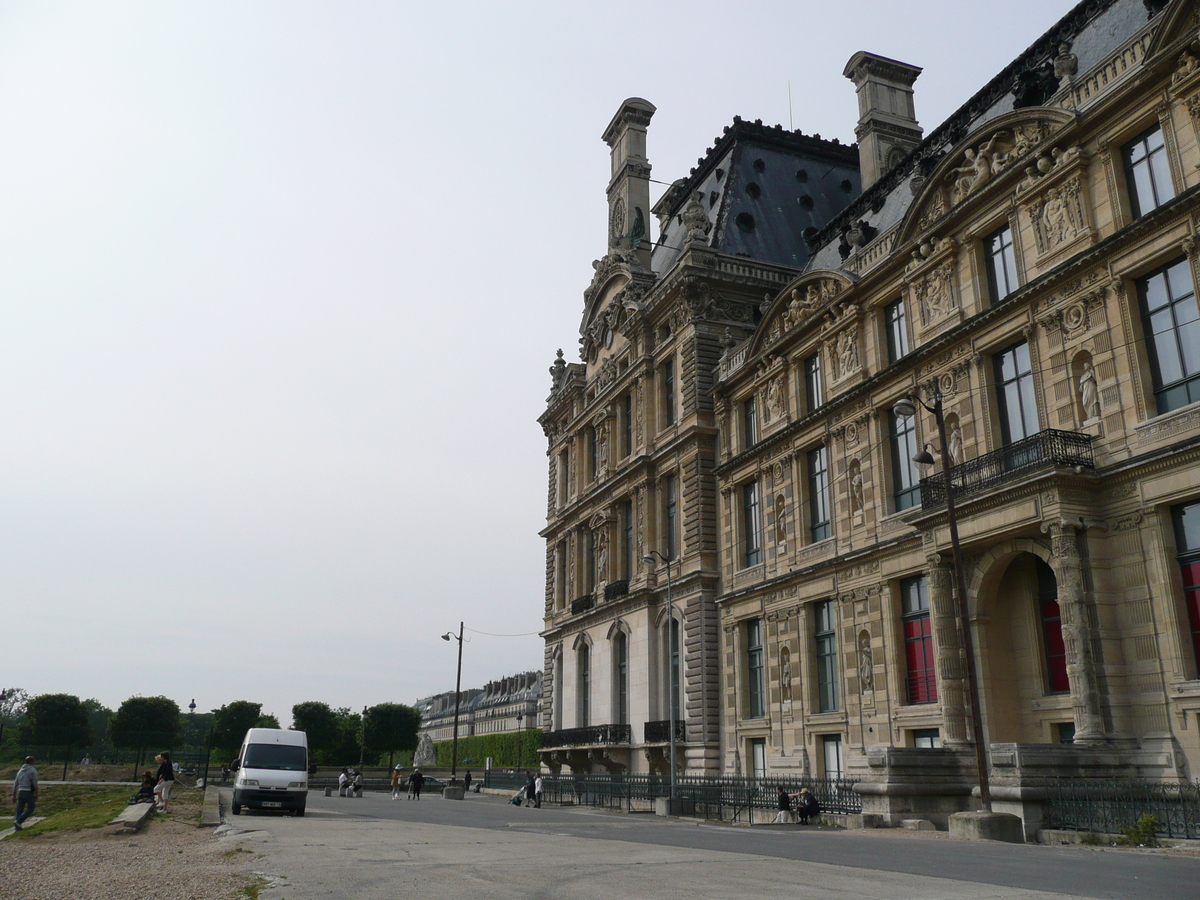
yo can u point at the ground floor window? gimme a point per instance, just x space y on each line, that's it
1187 541
1065 732
927 738
758 757
831 752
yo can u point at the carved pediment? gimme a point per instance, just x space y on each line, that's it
1180 25
799 303
985 157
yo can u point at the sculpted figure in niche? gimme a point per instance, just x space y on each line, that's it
937 296
857 502
601 448
1056 219
602 556
955 440
866 661
785 675
780 519
1089 395
847 350
774 400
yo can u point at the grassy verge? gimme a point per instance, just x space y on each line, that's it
73 807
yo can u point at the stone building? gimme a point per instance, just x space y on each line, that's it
1030 266
508 705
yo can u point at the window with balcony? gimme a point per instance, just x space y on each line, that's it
1187 544
589 561
667 379
895 324
1001 263
593 453
560 575
906 478
621 678
918 640
751 525
755 687
1014 392
627 540
814 385
1054 648
825 640
1147 172
583 686
627 424
670 517
1172 330
818 494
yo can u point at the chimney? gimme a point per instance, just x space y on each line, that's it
887 121
629 184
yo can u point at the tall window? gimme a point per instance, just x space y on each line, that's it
825 635
1001 263
1014 389
814 386
1146 172
670 517
676 683
818 494
1172 329
583 685
592 452
749 424
896 325
560 581
564 471
906 479
751 535
627 540
627 423
831 751
758 757
589 561
755 687
621 678
1052 636
1187 542
668 392
918 640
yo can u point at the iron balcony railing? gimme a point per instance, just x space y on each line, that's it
615 589
660 732
582 604
1042 450
587 736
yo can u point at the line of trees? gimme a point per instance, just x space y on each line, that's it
62 727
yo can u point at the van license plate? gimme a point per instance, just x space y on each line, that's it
271 803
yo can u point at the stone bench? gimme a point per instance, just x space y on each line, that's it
133 816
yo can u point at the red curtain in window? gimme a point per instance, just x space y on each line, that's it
918 648
1056 650
1191 595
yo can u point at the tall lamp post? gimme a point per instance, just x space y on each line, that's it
3 711
907 408
520 740
648 559
362 744
457 695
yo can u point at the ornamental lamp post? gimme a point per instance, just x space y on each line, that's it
520 737
906 408
457 695
362 744
648 559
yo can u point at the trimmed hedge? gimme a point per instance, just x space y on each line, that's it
501 747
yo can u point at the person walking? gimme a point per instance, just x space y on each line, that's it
784 805
415 782
25 792
396 782
537 790
467 782
166 780
530 797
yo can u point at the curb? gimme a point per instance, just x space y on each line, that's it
210 813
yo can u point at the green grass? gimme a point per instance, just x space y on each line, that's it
73 807
251 890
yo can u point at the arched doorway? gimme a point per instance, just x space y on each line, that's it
1023 666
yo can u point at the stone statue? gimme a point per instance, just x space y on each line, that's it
857 502
785 676
424 755
780 519
866 661
955 440
695 219
1089 395
601 449
774 400
847 349
602 556
1056 220
558 371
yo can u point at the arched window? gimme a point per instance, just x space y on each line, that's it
1052 637
583 676
621 678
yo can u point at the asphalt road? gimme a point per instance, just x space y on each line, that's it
376 847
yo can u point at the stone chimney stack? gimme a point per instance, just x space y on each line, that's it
887 121
629 183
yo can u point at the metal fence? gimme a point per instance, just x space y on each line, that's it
1106 807
724 797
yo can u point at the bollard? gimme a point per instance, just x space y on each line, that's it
328 792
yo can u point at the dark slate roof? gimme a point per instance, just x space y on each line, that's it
762 188
1093 28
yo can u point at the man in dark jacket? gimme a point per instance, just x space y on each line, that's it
416 781
807 807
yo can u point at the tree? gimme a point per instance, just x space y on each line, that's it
267 721
144 722
14 703
231 722
347 748
391 727
55 720
321 725
98 717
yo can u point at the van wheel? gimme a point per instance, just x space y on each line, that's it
237 809
299 810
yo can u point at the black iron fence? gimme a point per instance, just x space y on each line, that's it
724 797
1106 807
588 735
1046 448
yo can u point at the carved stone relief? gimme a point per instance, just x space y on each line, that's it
774 398
780 521
935 295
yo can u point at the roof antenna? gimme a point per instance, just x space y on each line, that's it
791 126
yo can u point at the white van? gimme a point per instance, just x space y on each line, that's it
272 771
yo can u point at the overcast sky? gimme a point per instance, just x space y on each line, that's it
281 284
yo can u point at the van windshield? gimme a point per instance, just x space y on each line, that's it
274 756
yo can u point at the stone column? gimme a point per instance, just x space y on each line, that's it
1077 633
950 668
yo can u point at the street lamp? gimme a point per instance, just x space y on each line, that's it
520 737
648 559
3 712
362 745
906 408
457 694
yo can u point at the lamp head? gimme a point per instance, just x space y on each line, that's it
648 560
446 636
924 458
904 408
